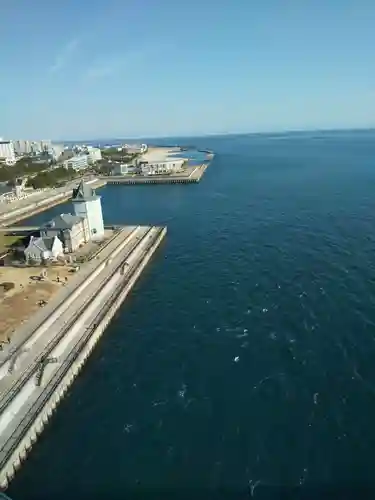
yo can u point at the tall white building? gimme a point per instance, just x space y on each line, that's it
25 147
22 147
7 154
94 154
88 204
56 150
78 162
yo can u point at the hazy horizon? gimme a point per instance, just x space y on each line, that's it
228 134
197 68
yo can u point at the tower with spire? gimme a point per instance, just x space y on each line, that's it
88 204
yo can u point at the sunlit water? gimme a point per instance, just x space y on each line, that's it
243 363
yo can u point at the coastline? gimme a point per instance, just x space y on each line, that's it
36 373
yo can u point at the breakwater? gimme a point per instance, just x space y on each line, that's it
35 207
192 177
31 390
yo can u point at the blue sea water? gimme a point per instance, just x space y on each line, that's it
242 365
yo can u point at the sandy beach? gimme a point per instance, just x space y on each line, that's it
161 154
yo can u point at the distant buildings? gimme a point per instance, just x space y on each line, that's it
55 151
26 147
22 147
163 166
94 154
125 169
16 192
134 148
7 153
78 162
156 167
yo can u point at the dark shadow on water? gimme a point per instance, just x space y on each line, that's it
260 492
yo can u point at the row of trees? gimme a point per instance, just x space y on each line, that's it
51 178
22 168
114 155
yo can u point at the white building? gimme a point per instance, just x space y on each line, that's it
134 148
87 204
79 162
94 154
45 145
26 147
56 150
125 169
41 248
163 166
73 231
22 147
7 153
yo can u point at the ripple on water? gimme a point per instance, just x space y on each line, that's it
270 262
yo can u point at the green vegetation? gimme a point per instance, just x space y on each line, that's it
24 167
114 155
7 241
102 167
105 166
52 178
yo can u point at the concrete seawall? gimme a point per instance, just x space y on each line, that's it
72 353
35 207
193 178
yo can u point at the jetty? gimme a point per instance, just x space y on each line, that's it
48 351
191 175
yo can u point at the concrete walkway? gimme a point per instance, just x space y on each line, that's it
24 331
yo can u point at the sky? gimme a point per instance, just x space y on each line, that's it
92 69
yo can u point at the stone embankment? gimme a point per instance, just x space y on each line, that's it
36 374
193 176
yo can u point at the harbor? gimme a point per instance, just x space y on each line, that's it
46 343
191 175
61 283
160 165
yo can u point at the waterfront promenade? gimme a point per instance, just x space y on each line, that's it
11 213
48 352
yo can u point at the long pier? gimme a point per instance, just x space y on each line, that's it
193 177
36 373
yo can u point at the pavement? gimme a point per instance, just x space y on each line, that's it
24 331
9 385
160 154
45 194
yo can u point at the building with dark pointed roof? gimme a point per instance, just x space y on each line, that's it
87 204
72 230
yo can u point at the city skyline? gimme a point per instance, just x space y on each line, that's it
196 70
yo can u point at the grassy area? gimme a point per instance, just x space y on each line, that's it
6 240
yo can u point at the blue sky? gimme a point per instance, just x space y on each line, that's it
132 68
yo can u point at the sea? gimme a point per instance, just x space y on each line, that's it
242 365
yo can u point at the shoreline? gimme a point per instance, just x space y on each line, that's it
26 211
35 375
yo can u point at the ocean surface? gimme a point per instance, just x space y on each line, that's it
243 363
